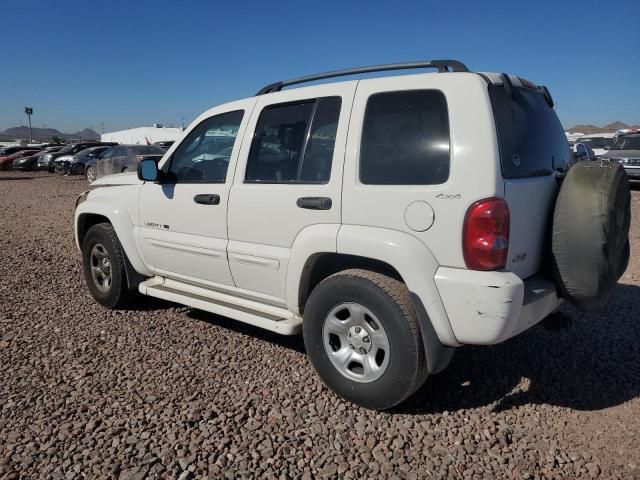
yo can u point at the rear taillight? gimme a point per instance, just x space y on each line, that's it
485 235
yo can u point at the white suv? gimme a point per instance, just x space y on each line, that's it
389 219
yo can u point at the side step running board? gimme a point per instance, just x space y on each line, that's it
271 318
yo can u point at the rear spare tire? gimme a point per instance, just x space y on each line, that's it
590 236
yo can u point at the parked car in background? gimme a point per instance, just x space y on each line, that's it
164 145
75 164
47 162
6 151
598 142
30 163
6 161
125 158
27 163
626 151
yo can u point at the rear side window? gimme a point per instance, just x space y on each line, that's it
405 139
294 142
531 139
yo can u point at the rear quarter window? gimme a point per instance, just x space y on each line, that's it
405 139
531 139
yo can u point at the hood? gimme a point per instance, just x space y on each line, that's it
622 154
129 178
64 158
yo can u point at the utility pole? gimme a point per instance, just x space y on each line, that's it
29 112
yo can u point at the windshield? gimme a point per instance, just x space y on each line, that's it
628 142
87 151
596 142
66 149
530 137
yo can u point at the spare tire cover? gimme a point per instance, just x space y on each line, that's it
590 236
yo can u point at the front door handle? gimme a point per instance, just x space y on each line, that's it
314 203
207 199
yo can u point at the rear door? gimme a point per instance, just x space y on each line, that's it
289 177
533 151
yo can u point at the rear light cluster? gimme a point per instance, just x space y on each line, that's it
485 235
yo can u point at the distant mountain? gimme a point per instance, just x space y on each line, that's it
86 134
610 128
22 132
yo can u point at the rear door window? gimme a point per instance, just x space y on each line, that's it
405 139
531 139
294 142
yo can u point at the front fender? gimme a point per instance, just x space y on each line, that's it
117 214
413 261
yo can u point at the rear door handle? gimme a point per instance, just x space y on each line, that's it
314 203
207 199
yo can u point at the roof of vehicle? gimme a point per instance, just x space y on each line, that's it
442 66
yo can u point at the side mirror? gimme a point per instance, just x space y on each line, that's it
607 147
148 170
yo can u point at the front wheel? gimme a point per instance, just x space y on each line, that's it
104 268
361 332
76 169
90 174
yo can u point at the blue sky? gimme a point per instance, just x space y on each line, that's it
131 63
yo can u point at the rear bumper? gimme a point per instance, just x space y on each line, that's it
491 307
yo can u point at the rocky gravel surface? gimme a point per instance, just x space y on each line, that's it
164 391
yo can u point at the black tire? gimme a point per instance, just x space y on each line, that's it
103 236
389 300
90 173
590 236
76 170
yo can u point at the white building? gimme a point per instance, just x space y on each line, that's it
143 135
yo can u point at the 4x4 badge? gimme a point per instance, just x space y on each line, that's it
447 196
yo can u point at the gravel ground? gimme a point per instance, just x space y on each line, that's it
166 391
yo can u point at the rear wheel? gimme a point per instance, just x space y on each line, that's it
90 174
361 333
104 267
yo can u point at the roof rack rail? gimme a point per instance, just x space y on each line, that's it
441 65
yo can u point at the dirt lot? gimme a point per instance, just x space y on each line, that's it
166 391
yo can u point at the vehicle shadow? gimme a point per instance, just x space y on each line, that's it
2 179
293 342
583 361
592 364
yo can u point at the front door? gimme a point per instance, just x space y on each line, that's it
183 219
289 177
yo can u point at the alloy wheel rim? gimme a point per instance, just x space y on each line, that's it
91 175
355 342
100 267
